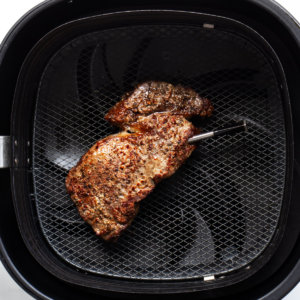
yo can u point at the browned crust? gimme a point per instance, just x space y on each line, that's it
143 100
119 171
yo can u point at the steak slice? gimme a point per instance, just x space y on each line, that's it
119 171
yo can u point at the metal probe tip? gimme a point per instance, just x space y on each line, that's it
223 131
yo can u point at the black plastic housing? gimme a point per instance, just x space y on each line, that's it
282 272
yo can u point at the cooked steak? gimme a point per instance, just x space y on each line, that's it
119 171
151 96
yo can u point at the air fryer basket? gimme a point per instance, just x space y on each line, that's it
223 212
221 209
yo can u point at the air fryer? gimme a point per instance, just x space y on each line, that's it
225 225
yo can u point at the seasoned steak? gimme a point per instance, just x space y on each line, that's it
151 96
119 171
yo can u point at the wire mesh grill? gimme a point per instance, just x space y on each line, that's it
220 209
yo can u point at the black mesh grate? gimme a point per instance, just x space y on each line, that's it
220 210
